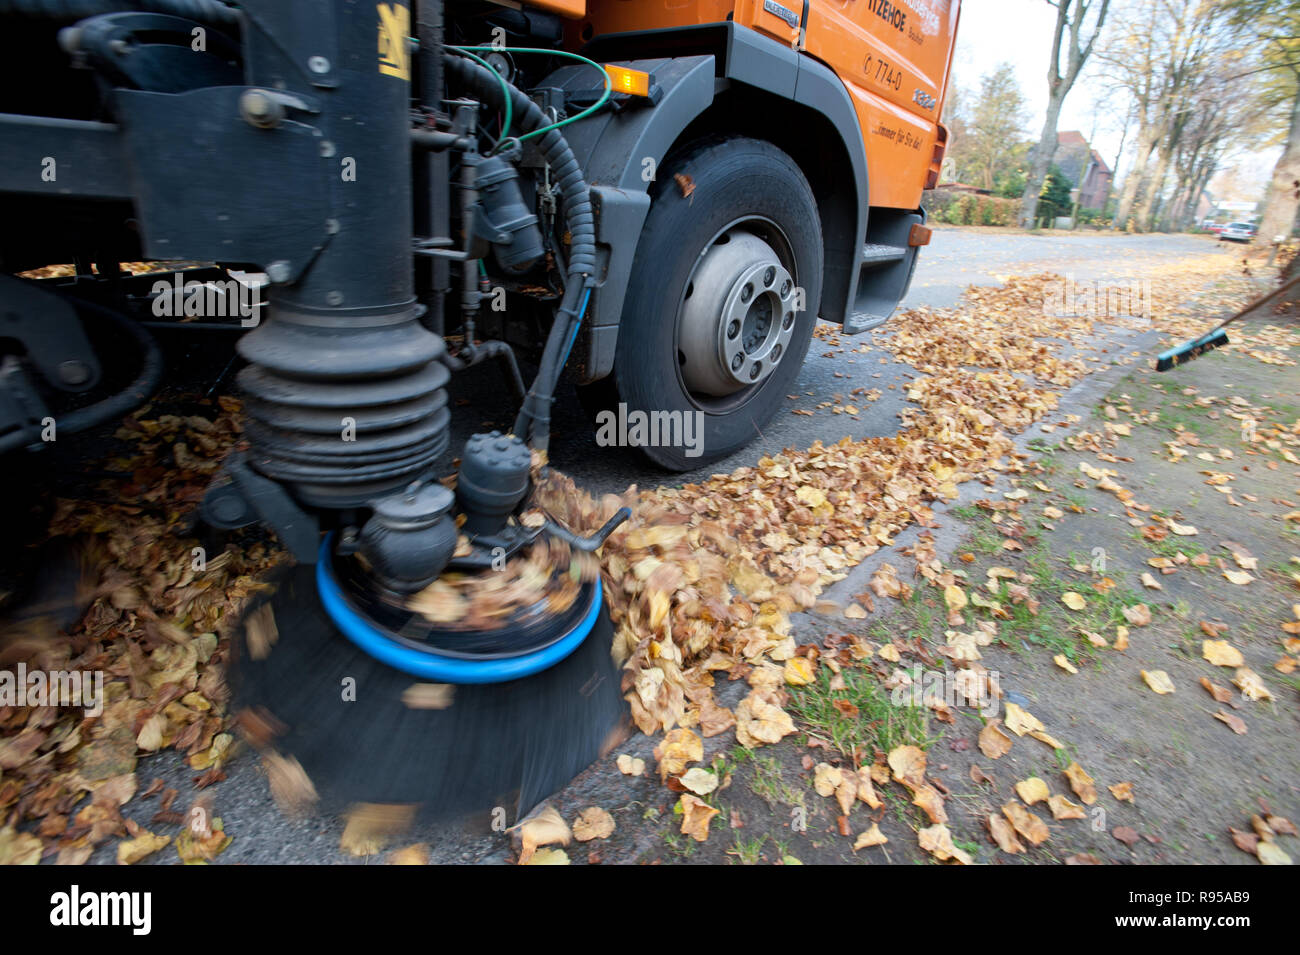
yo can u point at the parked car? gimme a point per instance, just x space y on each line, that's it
1237 232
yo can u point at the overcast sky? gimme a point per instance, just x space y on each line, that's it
1020 32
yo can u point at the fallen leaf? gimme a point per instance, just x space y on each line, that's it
1003 834
595 823
1270 853
1033 829
1158 680
1236 722
131 851
1081 783
1062 808
908 765
371 826
678 747
696 814
1032 790
547 857
1021 721
699 781
417 854
827 779
993 742
1139 615
630 765
759 721
799 671
429 696
545 827
1250 684
1221 653
1126 835
19 848
1221 694
872 837
937 841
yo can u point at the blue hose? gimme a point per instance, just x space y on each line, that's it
432 666
573 335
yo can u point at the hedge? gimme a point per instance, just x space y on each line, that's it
968 208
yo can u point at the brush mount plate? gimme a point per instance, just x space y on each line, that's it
532 640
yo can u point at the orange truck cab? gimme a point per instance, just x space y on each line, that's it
834 105
662 197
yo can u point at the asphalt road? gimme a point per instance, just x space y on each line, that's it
955 259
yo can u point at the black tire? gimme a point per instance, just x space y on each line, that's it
734 184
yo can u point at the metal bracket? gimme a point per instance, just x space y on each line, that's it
154 51
49 330
239 496
21 408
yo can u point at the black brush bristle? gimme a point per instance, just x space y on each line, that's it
344 719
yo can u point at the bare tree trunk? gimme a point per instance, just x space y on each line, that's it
1198 187
1044 152
1173 209
1070 16
1146 213
1280 207
1150 205
1136 180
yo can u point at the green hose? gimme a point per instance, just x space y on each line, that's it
604 96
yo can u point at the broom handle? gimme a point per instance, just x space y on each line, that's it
1250 307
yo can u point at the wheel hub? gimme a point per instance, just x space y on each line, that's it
738 316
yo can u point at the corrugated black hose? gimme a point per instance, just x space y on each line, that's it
534 421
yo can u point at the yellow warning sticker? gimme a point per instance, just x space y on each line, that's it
394 26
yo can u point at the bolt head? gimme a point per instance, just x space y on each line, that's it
259 108
74 372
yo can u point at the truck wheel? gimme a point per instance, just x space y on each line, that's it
722 299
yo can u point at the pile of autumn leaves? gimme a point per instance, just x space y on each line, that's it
703 577
154 626
702 581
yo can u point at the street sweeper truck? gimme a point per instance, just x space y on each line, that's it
659 198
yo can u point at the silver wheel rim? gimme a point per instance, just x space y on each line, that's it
737 316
